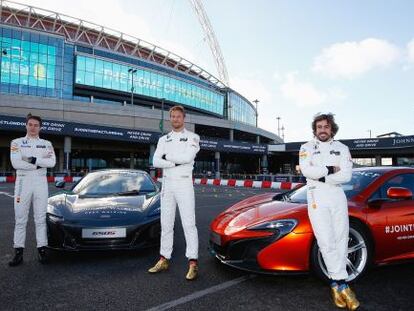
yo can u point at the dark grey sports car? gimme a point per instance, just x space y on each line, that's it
107 209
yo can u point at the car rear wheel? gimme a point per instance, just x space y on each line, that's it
359 254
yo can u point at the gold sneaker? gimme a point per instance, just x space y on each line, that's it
192 272
349 296
337 298
161 265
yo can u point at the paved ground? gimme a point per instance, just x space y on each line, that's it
119 281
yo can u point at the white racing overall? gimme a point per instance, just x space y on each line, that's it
31 186
327 204
180 149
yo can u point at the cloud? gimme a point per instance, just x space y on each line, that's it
352 59
251 89
277 76
301 93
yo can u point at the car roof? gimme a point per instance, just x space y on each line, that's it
118 170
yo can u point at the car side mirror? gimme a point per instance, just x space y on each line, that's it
60 184
399 193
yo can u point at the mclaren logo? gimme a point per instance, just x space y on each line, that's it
104 233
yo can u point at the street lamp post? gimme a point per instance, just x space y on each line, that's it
283 132
278 126
369 131
132 72
256 101
162 117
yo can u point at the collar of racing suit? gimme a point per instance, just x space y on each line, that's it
322 144
27 137
178 133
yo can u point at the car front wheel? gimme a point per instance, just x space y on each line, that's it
359 254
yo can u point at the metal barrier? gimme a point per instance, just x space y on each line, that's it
255 177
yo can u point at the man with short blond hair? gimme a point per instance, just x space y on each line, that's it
175 154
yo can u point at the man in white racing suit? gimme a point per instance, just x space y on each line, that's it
175 154
327 164
30 157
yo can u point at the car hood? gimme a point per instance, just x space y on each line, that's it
72 206
237 219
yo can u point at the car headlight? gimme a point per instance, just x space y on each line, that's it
54 214
281 226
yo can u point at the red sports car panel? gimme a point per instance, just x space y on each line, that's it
271 233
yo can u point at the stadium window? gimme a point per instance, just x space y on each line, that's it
51 93
41 82
107 69
99 67
23 89
90 64
80 63
89 78
34 47
16 34
43 49
98 80
7 32
26 46
50 84
80 77
41 91
14 89
32 82
4 88
43 39
43 58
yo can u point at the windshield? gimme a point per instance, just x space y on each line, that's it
359 181
114 183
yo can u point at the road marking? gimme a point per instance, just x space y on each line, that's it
7 194
201 293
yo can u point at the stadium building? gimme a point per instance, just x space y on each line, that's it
103 96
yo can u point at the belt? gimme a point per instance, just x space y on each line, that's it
183 176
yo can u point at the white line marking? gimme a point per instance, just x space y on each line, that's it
201 293
7 194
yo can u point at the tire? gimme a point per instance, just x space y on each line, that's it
359 254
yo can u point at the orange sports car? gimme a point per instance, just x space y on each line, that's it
271 233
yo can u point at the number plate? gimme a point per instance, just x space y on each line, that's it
104 233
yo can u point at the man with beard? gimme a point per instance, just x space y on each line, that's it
326 164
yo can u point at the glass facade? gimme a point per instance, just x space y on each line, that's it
110 75
240 110
36 64
31 63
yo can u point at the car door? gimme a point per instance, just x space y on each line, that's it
392 221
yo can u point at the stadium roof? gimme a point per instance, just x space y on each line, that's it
83 32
